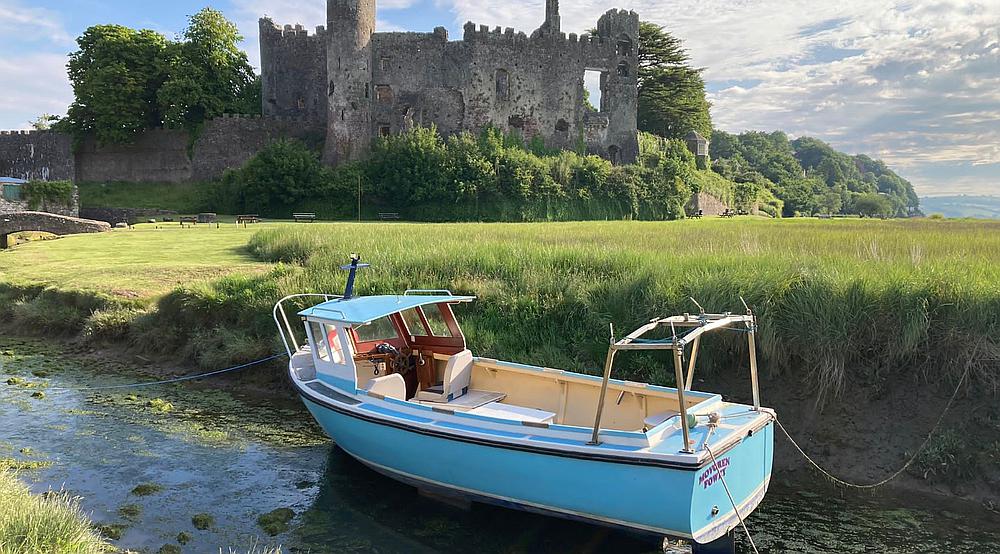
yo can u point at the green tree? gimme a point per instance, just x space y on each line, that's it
207 73
115 75
672 99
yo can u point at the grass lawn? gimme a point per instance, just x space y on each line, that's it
137 263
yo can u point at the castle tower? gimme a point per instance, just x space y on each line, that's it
350 25
552 23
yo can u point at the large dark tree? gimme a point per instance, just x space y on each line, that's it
207 73
115 75
127 81
672 99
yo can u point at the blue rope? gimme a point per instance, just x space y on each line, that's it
170 381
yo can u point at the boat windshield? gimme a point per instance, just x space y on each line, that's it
381 329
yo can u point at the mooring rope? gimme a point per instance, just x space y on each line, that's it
722 477
908 463
170 381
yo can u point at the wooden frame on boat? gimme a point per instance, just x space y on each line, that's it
699 325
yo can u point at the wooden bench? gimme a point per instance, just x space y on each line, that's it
699 214
729 213
388 216
247 218
304 217
193 220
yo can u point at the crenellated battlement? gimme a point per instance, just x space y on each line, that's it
615 22
275 31
27 132
585 44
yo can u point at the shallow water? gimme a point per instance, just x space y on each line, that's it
236 459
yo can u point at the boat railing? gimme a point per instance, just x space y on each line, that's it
418 292
697 325
281 319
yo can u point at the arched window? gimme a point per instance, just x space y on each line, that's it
503 85
623 69
624 45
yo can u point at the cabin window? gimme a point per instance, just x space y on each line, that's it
378 330
327 342
319 341
436 322
414 323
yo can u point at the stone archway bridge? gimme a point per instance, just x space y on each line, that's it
18 222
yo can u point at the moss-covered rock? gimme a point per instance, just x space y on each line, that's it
276 522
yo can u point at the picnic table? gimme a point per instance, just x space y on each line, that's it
385 216
247 218
304 217
192 219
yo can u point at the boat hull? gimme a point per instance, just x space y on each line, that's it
682 502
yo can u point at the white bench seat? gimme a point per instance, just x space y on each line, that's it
516 413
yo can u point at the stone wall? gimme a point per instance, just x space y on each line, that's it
168 156
293 71
708 204
36 156
157 156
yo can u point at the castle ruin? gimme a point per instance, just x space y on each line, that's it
359 84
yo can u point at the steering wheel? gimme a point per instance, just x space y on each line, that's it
397 361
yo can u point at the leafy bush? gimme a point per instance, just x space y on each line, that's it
110 324
281 175
42 194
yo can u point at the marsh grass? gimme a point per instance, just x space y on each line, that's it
837 300
52 522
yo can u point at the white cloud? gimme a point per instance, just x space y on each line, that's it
34 84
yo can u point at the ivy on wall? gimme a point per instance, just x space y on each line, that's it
42 193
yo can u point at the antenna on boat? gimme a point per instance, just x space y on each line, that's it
612 325
745 305
697 304
353 268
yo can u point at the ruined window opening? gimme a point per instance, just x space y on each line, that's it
615 154
343 116
516 122
562 127
503 85
301 104
384 63
623 69
593 90
383 93
624 45
367 90
384 130
332 88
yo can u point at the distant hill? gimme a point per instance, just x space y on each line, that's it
811 177
983 207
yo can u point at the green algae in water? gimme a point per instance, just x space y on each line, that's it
17 381
202 522
38 394
113 531
160 405
169 549
147 489
40 373
276 522
183 537
130 511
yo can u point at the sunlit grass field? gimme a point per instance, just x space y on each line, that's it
835 297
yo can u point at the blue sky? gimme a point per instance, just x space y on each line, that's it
914 82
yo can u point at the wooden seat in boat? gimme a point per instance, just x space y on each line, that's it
517 413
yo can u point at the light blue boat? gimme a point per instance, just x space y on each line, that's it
391 381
